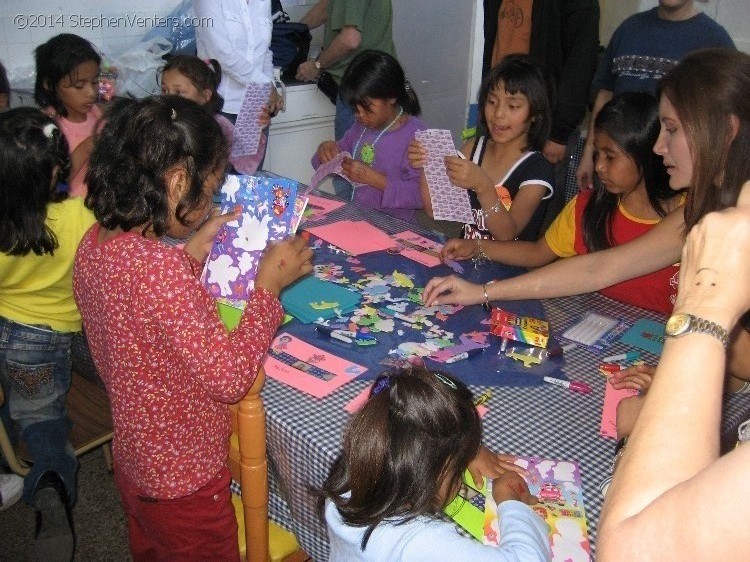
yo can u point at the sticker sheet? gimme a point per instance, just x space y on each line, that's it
449 202
308 368
247 129
268 208
557 484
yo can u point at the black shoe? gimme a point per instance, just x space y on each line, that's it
54 540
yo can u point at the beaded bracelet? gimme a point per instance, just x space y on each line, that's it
481 255
494 209
486 303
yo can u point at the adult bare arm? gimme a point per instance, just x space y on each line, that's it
671 465
587 273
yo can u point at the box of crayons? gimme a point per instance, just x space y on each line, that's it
524 329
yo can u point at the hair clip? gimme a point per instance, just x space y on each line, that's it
407 85
208 64
49 130
445 380
174 114
381 383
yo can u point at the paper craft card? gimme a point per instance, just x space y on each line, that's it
354 237
557 484
308 368
311 298
449 202
247 129
645 334
332 167
268 207
418 248
612 397
321 206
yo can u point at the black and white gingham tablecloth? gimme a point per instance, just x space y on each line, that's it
304 433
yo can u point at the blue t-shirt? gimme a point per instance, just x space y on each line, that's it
645 47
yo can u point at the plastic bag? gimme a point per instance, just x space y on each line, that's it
180 32
138 68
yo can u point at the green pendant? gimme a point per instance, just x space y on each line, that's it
367 154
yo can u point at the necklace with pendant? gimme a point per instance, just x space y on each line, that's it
367 154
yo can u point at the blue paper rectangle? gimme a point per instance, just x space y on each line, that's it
645 334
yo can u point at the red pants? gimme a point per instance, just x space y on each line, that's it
201 526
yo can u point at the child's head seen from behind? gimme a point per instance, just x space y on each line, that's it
33 157
514 98
405 450
67 76
625 131
155 166
374 79
195 79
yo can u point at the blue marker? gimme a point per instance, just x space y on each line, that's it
465 355
629 356
333 333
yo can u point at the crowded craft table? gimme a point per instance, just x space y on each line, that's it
304 433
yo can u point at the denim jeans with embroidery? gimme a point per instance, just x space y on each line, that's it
35 375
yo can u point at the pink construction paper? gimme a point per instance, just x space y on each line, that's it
449 202
355 237
612 397
290 361
358 401
321 206
426 252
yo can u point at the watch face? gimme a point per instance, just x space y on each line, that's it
677 324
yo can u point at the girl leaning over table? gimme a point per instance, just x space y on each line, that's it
168 363
386 109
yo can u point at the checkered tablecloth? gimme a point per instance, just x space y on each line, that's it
304 433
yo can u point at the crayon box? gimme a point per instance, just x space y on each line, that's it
525 329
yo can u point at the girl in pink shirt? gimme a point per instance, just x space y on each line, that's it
67 88
168 363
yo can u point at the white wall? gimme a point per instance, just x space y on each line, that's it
24 24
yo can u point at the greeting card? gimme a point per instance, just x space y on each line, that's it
267 207
247 129
449 202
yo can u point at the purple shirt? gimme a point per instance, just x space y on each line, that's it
401 197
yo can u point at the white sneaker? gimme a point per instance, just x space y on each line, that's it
11 488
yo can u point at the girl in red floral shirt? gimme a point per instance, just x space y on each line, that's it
169 365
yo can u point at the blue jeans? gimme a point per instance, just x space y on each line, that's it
35 375
342 123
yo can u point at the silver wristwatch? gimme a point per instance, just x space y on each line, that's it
682 323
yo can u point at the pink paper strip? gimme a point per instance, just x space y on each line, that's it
321 206
418 248
612 397
308 368
358 401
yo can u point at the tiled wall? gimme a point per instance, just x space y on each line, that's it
24 24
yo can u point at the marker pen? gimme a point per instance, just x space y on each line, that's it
333 333
575 386
465 355
629 356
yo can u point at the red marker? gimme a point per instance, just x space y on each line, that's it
575 386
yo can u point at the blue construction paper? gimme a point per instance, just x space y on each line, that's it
487 368
298 297
645 334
